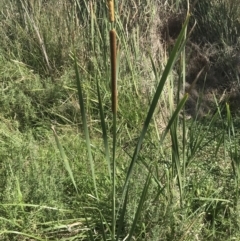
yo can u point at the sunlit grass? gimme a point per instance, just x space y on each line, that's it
83 160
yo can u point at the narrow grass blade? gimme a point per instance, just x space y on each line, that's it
90 233
103 229
176 158
229 121
234 148
85 127
65 160
175 53
122 216
19 196
173 125
92 27
140 206
104 130
21 234
37 206
174 116
154 68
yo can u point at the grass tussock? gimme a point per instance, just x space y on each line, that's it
119 120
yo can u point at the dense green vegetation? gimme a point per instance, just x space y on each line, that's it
175 172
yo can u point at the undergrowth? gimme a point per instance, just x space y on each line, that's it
165 166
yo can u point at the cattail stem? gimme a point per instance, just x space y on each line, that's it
113 52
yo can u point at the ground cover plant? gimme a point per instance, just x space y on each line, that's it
153 157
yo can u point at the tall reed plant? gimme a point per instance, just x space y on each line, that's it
118 213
